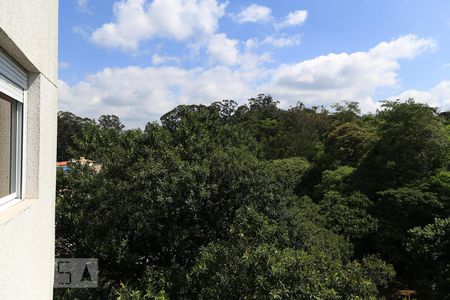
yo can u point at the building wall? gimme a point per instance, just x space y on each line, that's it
28 33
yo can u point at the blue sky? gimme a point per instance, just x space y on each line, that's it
140 58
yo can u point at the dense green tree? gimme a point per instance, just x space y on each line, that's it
399 210
196 130
347 144
303 132
110 122
288 171
440 185
262 119
153 206
445 116
224 201
429 246
287 258
348 215
70 127
345 112
99 141
412 145
335 180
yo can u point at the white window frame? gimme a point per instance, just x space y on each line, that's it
13 85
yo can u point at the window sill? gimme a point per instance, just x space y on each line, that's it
14 208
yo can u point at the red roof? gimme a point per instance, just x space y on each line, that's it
62 163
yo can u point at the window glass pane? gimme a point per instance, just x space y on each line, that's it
5 147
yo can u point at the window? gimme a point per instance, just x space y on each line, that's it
12 98
5 147
10 149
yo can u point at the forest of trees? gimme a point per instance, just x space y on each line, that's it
257 202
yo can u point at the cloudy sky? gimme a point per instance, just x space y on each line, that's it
140 58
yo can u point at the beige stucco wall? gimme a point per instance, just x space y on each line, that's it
28 33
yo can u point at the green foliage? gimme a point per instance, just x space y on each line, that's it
399 210
303 132
266 259
336 180
345 112
379 272
151 205
253 201
347 144
430 246
110 122
97 141
440 185
412 145
70 127
409 206
348 215
125 292
288 171
296 132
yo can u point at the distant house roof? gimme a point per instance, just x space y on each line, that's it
62 164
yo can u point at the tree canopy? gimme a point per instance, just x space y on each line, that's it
224 201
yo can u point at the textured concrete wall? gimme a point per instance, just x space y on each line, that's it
33 26
28 33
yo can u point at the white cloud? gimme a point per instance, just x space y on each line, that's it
356 76
63 65
282 41
223 50
164 59
294 18
276 40
251 43
254 14
81 31
438 96
139 95
139 20
252 63
83 6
